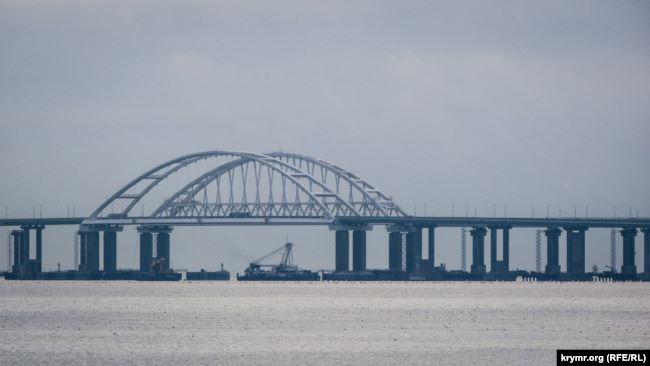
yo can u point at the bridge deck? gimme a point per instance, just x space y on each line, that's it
42 221
596 222
504 221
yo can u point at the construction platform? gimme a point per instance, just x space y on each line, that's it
208 276
126 275
281 270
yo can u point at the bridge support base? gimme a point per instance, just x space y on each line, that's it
478 250
39 247
432 246
82 251
629 266
24 246
91 262
17 239
413 250
575 243
88 251
505 266
162 250
502 266
552 250
395 251
646 249
146 251
110 251
418 248
342 259
359 250
493 249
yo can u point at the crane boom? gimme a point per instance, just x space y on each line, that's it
284 270
286 258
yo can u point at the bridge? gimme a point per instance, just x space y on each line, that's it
242 188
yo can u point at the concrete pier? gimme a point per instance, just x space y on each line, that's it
432 245
499 266
82 250
575 250
418 248
24 246
17 239
629 265
146 250
411 251
162 250
24 250
342 259
552 250
505 267
92 252
395 251
493 249
646 249
359 250
89 250
39 247
478 250
110 251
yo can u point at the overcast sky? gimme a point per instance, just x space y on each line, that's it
446 103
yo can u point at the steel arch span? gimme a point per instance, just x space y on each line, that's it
248 188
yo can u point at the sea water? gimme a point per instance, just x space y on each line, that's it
323 323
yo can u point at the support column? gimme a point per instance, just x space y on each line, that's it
17 236
359 250
82 250
570 239
506 249
395 251
24 246
39 247
478 250
493 249
92 251
552 250
583 249
575 250
629 265
162 248
432 246
342 259
411 251
418 248
646 249
414 249
110 251
146 250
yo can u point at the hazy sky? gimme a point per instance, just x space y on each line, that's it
448 103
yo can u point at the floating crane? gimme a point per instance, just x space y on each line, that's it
285 270
286 261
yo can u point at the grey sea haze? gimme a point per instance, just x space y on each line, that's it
325 323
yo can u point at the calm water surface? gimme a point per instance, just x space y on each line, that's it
318 323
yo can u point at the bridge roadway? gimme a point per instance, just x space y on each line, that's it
512 222
524 222
43 221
